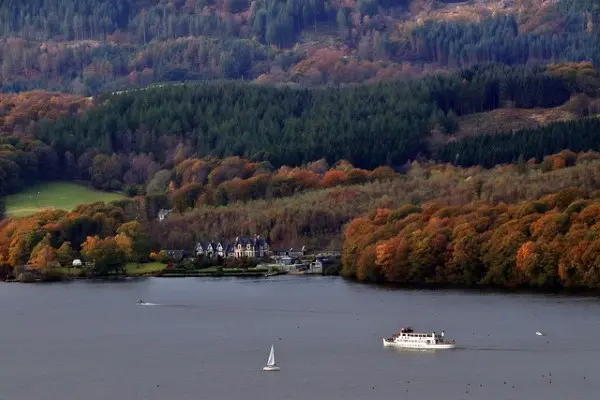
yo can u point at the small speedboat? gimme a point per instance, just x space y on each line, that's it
540 333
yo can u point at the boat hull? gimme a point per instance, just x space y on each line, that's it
271 368
420 346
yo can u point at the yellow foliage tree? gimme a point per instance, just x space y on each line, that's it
106 254
124 243
43 256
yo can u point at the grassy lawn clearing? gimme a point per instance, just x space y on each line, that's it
54 195
144 269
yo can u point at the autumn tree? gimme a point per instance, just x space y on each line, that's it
463 263
159 183
186 196
106 172
383 173
357 176
393 258
65 254
546 243
22 244
140 244
105 255
43 256
161 256
124 244
333 177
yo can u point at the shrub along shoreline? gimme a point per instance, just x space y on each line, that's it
143 270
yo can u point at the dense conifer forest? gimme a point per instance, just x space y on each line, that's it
122 141
490 150
372 125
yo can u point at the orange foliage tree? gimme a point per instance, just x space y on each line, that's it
43 256
334 177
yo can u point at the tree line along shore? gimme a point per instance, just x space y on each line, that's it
521 225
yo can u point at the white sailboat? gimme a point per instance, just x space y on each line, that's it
271 366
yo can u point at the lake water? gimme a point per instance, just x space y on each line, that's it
209 339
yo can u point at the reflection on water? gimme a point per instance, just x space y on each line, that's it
206 338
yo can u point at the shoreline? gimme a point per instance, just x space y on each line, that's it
249 274
209 274
432 287
483 289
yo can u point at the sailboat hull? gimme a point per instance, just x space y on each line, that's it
271 368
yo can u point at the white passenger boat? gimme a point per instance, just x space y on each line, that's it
407 338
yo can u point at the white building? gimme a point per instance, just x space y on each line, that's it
255 247
211 249
162 214
285 260
316 267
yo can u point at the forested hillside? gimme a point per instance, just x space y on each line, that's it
88 47
297 150
24 159
141 141
490 150
314 217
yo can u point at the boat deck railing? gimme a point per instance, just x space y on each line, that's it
444 341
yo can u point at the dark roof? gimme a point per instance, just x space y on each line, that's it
213 244
229 247
225 246
255 241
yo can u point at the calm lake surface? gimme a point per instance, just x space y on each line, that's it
209 339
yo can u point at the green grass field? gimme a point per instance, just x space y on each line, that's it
54 195
148 268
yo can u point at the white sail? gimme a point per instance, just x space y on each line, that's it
271 361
